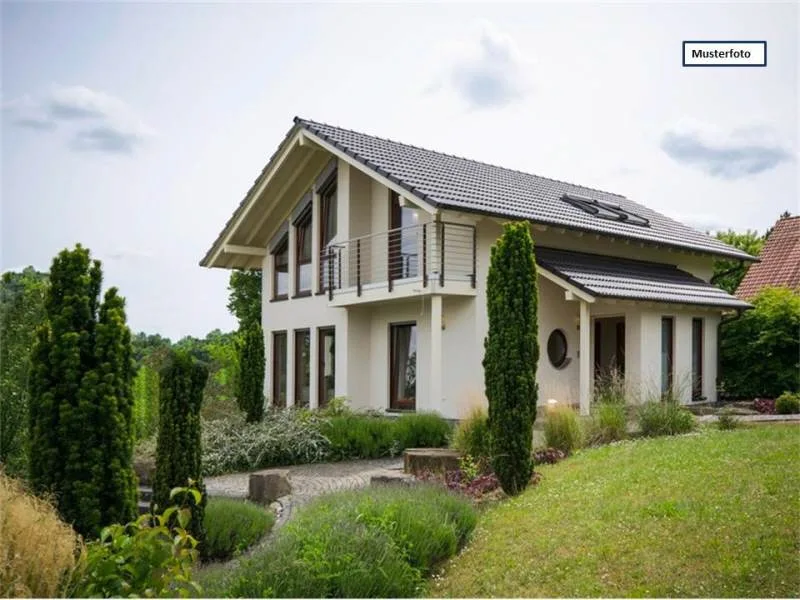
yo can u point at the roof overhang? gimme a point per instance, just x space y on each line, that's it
226 254
590 277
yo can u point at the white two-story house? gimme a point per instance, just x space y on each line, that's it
375 256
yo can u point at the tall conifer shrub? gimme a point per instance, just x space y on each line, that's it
178 449
80 418
250 384
511 355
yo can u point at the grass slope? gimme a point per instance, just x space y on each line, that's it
714 514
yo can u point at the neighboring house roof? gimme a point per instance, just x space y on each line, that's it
780 260
457 183
607 277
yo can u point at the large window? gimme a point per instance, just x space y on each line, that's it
326 366
403 252
303 253
280 271
403 367
327 226
302 368
667 354
697 359
279 369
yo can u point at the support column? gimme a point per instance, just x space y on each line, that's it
435 400
585 355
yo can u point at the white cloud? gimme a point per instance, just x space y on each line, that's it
485 69
100 122
727 154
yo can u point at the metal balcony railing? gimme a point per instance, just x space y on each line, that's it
439 250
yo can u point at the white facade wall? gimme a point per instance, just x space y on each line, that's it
362 331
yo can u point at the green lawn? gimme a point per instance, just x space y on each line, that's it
713 514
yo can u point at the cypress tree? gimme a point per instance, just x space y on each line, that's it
511 355
178 448
250 384
81 399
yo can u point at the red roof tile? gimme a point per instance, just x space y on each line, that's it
780 261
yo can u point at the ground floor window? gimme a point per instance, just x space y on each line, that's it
667 354
326 365
279 369
302 368
403 366
697 359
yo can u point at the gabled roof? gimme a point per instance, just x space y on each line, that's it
452 182
780 260
609 277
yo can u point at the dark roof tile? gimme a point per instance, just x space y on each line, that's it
453 182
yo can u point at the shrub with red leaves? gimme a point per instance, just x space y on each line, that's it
764 406
476 488
547 456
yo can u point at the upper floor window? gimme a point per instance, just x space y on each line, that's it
280 271
303 253
605 210
327 227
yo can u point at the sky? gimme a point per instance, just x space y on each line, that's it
135 129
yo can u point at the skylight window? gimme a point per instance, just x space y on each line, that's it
605 210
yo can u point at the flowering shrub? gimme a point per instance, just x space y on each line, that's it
547 456
764 406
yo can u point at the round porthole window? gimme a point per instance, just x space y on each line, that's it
557 349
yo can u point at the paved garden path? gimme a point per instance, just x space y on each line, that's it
308 481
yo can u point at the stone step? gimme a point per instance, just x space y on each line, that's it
143 507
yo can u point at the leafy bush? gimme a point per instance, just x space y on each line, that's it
146 557
787 404
471 436
562 429
726 421
37 549
609 423
764 405
664 418
548 456
233 526
377 542
511 354
230 445
760 351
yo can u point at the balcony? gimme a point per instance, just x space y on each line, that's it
422 259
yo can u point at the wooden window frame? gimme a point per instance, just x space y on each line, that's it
393 400
328 199
322 334
281 248
670 383
697 377
275 379
298 355
303 222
